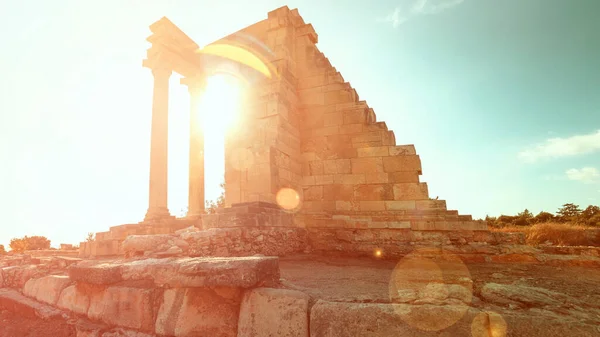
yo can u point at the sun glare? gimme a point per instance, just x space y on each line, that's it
219 110
219 103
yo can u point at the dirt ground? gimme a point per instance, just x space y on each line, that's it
368 279
15 325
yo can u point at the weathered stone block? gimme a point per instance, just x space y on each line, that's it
273 312
399 205
367 165
324 179
374 192
339 192
75 298
377 178
95 273
402 150
404 177
198 312
399 224
410 191
372 206
46 289
333 119
124 306
376 151
350 179
402 163
313 193
431 204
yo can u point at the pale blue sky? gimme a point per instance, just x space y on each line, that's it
500 97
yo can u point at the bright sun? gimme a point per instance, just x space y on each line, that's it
219 108
219 104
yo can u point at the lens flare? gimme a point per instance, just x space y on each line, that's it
433 289
238 54
288 199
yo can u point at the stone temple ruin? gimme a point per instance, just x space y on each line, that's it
311 174
312 164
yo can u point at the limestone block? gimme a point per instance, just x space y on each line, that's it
399 224
372 206
17 276
46 289
367 137
319 206
376 151
316 167
95 273
273 312
410 191
1 279
349 129
339 166
313 193
75 298
329 166
402 163
198 312
124 306
400 205
350 179
346 206
404 177
374 192
377 178
367 165
327 179
431 204
402 150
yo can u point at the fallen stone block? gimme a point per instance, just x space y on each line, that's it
17 276
146 243
76 298
46 289
242 272
95 273
273 312
199 312
14 301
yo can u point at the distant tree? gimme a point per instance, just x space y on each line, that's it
568 212
590 216
543 217
490 220
91 237
524 218
20 245
506 220
2 250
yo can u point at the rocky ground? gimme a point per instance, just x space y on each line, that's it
418 295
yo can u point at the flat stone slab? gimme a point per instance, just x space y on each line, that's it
95 273
14 301
237 272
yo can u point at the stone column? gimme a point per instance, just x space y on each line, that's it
196 173
159 141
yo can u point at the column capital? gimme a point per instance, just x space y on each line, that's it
159 68
194 83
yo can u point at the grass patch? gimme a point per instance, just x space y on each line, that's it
560 234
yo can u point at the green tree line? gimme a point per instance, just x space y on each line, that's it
568 213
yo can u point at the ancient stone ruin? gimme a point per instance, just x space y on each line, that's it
327 229
311 165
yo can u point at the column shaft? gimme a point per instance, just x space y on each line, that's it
196 165
159 143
